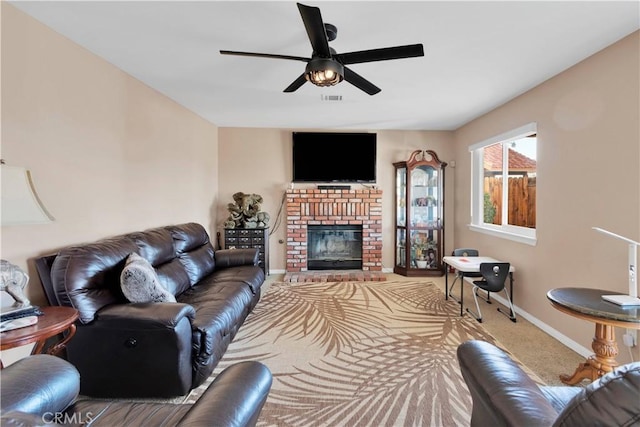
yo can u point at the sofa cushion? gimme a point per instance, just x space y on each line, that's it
220 310
140 283
250 275
173 276
154 245
194 250
87 277
611 400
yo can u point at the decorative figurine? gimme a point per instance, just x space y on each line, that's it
13 281
245 212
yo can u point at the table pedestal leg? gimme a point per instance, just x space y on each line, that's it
602 362
58 348
55 349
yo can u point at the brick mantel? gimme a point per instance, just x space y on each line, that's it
334 207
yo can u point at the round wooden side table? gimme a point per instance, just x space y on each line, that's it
587 304
54 321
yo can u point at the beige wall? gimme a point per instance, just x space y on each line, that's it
588 175
108 154
260 161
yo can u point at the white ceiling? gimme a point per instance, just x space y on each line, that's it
478 55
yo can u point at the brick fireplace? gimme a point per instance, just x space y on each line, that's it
334 207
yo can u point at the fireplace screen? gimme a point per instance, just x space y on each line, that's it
334 247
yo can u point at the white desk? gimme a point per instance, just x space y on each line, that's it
471 264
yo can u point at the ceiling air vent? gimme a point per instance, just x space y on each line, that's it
331 97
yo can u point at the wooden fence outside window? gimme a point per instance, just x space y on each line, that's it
522 200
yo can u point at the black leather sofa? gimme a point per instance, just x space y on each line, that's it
42 390
164 349
504 395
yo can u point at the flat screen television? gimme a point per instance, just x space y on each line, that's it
334 157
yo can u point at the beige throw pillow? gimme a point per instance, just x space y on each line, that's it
139 282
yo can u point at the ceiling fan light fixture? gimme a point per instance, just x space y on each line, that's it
326 67
324 72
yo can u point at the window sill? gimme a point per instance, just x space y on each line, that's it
528 240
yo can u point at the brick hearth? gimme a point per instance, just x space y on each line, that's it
331 207
335 276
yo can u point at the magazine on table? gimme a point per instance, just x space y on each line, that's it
20 322
13 317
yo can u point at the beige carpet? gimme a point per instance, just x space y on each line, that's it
358 354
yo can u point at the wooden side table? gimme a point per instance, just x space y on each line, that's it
587 304
54 321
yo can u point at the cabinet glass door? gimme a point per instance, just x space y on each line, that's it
401 197
425 217
424 209
401 217
401 252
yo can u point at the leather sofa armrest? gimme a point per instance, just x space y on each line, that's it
146 315
150 344
234 257
235 398
503 394
37 385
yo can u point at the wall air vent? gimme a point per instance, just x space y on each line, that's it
331 97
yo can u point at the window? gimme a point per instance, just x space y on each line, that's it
503 180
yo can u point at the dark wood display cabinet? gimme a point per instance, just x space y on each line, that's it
250 238
419 215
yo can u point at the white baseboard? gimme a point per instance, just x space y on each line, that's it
563 339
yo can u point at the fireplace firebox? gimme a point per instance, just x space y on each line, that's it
334 247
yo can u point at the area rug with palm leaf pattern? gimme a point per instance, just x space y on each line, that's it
357 354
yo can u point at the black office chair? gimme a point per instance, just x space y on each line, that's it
462 252
494 276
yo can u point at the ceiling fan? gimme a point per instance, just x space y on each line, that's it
326 67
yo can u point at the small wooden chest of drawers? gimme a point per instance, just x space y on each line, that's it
250 238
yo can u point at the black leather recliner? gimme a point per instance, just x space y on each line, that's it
42 390
504 395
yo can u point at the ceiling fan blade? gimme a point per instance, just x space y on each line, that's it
265 55
360 82
296 84
315 30
383 54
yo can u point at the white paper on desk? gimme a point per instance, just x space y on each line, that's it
623 300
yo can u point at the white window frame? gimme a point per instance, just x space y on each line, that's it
511 232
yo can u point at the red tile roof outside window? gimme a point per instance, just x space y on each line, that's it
518 162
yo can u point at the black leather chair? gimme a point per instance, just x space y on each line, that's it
494 276
462 252
42 390
504 395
